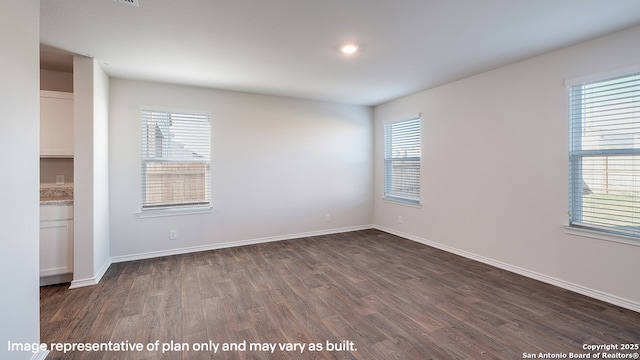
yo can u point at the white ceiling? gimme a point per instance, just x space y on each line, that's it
290 47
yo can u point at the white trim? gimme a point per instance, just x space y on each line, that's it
417 205
603 75
170 109
94 280
229 244
153 254
55 279
596 294
600 235
54 271
403 117
174 211
40 355
611 299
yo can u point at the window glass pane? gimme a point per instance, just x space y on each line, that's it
175 159
610 190
605 154
402 161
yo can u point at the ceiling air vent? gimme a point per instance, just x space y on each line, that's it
129 2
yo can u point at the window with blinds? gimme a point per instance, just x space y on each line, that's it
175 160
604 155
402 161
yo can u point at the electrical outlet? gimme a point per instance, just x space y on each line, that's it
59 179
173 234
400 219
327 217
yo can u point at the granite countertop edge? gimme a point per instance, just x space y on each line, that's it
56 195
56 202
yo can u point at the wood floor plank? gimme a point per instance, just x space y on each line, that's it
394 298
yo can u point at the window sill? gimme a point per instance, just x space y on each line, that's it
173 212
600 235
403 203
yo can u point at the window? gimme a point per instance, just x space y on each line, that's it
604 155
175 160
402 161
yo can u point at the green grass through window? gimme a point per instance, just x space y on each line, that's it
611 209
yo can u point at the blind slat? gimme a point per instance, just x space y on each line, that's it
402 160
175 159
604 152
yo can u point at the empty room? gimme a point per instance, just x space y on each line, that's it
296 179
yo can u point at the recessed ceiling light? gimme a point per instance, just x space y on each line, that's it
349 49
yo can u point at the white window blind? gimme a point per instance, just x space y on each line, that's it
175 160
604 155
402 161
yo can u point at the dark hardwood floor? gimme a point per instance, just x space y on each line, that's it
391 297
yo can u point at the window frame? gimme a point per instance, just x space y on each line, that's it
577 224
148 209
389 194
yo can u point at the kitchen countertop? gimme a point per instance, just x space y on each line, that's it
56 201
56 195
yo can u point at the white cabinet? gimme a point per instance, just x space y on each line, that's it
56 124
56 241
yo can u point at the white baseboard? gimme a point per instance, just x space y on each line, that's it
94 280
154 254
40 355
596 294
56 279
53 271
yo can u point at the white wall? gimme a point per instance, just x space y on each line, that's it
50 167
19 183
495 171
56 80
101 240
91 158
279 165
83 169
